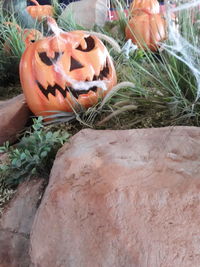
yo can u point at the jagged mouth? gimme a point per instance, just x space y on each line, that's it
68 89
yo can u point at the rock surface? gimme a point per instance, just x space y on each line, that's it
122 198
16 223
14 114
5 193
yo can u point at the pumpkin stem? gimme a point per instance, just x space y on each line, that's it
53 26
35 2
106 38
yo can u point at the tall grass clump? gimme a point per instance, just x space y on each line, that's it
174 73
158 89
166 83
33 156
11 49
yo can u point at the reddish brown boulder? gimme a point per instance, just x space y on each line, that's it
122 198
14 114
16 223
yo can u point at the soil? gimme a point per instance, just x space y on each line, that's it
7 92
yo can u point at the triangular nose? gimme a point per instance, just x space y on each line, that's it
75 64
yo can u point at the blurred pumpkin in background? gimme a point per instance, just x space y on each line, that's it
28 36
51 69
152 6
17 8
39 11
147 26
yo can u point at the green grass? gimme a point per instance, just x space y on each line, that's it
11 49
164 91
154 90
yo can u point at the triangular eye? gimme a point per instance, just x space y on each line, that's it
47 60
75 64
90 44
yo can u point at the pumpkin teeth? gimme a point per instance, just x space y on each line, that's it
59 96
102 67
89 78
51 83
62 84
76 93
45 84
53 90
52 87
103 73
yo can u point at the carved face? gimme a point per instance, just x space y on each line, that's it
52 69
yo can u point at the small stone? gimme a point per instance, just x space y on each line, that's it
14 114
16 223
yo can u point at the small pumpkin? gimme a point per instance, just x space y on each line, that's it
28 36
146 27
39 11
31 35
150 5
50 68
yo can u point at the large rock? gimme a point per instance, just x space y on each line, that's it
16 223
122 198
14 114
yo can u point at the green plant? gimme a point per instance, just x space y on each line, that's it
166 90
11 49
167 83
33 155
172 76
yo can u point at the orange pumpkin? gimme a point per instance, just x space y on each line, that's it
52 71
146 27
39 11
150 5
28 36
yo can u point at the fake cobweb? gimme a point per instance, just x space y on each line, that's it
181 48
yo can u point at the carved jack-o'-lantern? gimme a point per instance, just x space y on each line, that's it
62 70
